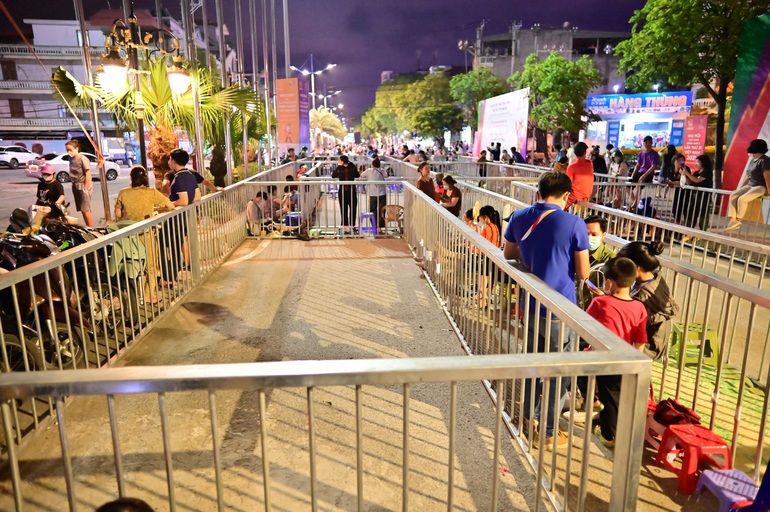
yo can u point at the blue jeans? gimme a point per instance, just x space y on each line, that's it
557 397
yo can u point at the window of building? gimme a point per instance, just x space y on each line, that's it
17 107
8 68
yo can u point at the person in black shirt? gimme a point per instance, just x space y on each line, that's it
348 198
600 165
699 204
49 190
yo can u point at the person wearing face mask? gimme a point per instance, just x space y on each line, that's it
598 252
49 190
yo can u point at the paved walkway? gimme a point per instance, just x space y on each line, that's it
288 300
291 300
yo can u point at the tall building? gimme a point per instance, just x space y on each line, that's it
504 54
29 109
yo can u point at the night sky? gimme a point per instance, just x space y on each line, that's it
364 37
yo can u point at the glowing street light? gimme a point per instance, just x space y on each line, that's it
312 72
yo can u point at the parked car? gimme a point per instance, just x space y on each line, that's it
61 164
12 156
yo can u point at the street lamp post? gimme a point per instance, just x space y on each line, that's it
312 72
325 96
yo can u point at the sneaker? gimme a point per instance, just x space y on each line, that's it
605 442
733 225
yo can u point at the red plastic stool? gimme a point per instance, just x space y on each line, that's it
653 431
692 443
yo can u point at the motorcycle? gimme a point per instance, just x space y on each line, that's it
40 326
103 288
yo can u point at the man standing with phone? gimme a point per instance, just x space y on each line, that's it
80 176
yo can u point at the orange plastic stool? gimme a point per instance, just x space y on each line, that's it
692 443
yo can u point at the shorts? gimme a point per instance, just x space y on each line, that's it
82 193
635 177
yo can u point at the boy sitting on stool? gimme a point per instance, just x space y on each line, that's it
627 318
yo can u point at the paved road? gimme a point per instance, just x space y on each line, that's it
18 191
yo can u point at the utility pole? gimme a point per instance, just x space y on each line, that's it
255 67
242 83
515 27
269 90
89 74
286 49
477 46
223 77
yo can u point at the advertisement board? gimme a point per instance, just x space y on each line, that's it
694 142
292 113
645 103
677 132
503 119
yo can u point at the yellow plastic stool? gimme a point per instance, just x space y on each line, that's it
694 334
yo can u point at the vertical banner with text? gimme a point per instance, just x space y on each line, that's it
694 143
613 133
293 130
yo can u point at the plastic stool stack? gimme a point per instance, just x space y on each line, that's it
693 443
731 487
371 228
692 341
653 431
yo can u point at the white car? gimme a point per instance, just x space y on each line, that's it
61 164
12 156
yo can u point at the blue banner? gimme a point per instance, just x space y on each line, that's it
677 132
676 101
613 132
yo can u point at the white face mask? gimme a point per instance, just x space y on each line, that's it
594 242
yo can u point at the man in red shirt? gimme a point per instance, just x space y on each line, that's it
581 172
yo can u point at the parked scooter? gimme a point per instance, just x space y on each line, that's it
103 288
40 327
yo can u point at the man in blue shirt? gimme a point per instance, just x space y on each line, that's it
184 189
553 245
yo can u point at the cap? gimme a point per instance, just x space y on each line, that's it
47 169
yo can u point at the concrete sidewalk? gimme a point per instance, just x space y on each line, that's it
289 300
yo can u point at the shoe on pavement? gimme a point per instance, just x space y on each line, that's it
733 225
605 442
560 439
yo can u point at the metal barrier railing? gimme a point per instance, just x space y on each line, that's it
709 250
169 384
456 261
736 316
496 309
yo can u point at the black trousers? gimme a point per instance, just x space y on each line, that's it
348 198
376 204
609 395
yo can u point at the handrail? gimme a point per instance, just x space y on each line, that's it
314 373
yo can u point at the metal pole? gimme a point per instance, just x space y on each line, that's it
325 96
206 34
268 86
273 35
242 83
312 88
133 59
158 14
287 52
89 76
223 73
192 55
255 67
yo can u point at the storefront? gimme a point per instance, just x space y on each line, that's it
628 118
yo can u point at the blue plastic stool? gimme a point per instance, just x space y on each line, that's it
395 187
293 220
371 228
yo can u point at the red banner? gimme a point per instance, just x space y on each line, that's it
694 143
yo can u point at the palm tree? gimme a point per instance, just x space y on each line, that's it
165 110
324 121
